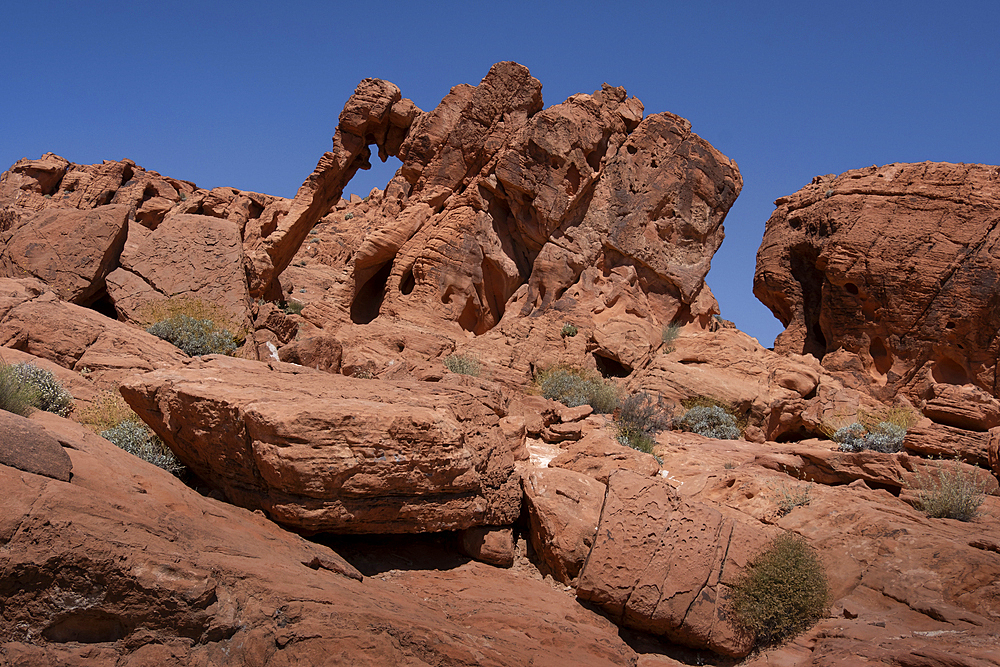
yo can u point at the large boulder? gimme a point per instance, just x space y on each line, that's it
665 565
322 452
885 275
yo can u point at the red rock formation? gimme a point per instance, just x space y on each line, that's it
321 452
885 275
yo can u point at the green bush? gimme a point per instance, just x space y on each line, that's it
48 394
569 330
639 418
885 437
463 365
15 396
783 591
136 439
195 337
711 421
953 493
575 386
25 387
293 307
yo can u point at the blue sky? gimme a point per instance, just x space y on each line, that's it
247 94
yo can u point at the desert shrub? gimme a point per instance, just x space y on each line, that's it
782 592
885 437
463 364
194 337
15 396
710 421
569 330
950 492
790 497
293 307
106 411
639 418
348 216
48 394
136 439
670 333
575 386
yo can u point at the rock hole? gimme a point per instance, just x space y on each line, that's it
949 371
127 174
400 346
611 368
632 150
254 209
90 626
367 303
851 288
880 356
795 222
105 197
572 180
105 306
406 282
950 325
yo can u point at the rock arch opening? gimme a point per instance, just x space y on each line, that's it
367 304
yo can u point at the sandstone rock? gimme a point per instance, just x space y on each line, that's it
563 509
196 256
932 439
994 451
79 338
598 455
322 452
124 564
321 351
27 447
70 250
664 565
488 544
852 265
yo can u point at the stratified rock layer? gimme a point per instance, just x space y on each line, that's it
322 452
887 275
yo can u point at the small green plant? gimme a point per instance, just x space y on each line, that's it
884 437
136 439
639 418
790 497
348 216
950 492
569 330
670 333
783 591
575 386
463 364
711 421
24 387
729 465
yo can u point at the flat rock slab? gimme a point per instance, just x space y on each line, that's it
26 446
329 453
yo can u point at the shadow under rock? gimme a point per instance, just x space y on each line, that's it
375 554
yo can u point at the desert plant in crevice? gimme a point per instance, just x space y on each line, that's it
639 418
882 430
575 386
669 336
112 418
950 492
783 591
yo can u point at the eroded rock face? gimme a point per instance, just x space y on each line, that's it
321 452
887 274
507 218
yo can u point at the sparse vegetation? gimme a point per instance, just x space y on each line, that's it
193 325
711 421
729 465
884 437
670 333
639 418
463 365
111 417
26 387
783 591
292 307
575 386
790 497
950 492
569 330
348 216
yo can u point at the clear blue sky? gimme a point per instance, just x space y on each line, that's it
247 94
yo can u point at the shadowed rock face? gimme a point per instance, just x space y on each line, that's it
888 276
